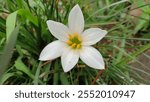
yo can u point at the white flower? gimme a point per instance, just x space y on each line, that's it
74 43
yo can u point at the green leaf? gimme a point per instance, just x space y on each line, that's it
8 50
11 20
10 24
19 3
29 16
22 67
36 78
5 77
140 25
64 79
56 75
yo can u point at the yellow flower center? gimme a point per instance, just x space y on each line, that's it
74 41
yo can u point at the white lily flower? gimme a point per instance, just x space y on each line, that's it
74 43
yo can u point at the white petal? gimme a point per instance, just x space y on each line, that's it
76 20
93 35
58 30
92 57
52 51
69 59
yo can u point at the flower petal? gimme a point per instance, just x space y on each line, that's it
93 35
69 59
92 57
58 30
76 20
52 51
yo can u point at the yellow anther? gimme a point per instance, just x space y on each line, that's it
69 42
79 38
74 41
75 35
73 45
78 46
70 36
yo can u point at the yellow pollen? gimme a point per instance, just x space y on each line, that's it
75 35
70 36
73 45
74 41
78 46
69 42
79 38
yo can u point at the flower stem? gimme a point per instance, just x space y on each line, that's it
47 62
98 75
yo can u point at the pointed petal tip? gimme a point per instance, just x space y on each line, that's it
101 68
42 59
49 21
76 20
66 68
105 32
77 5
52 50
77 8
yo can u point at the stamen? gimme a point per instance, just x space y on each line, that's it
74 41
75 35
79 38
78 46
73 45
69 42
70 36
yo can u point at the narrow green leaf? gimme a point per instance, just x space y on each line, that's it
5 77
142 23
8 50
19 3
29 16
121 53
10 24
64 79
36 78
56 75
22 67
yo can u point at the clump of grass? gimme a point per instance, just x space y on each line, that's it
24 33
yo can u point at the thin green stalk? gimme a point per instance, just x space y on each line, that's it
37 74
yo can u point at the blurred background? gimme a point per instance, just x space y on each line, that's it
24 33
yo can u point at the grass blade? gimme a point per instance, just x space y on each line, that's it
22 67
8 50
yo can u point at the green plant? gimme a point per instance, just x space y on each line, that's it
24 33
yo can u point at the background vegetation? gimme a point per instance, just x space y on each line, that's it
24 33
